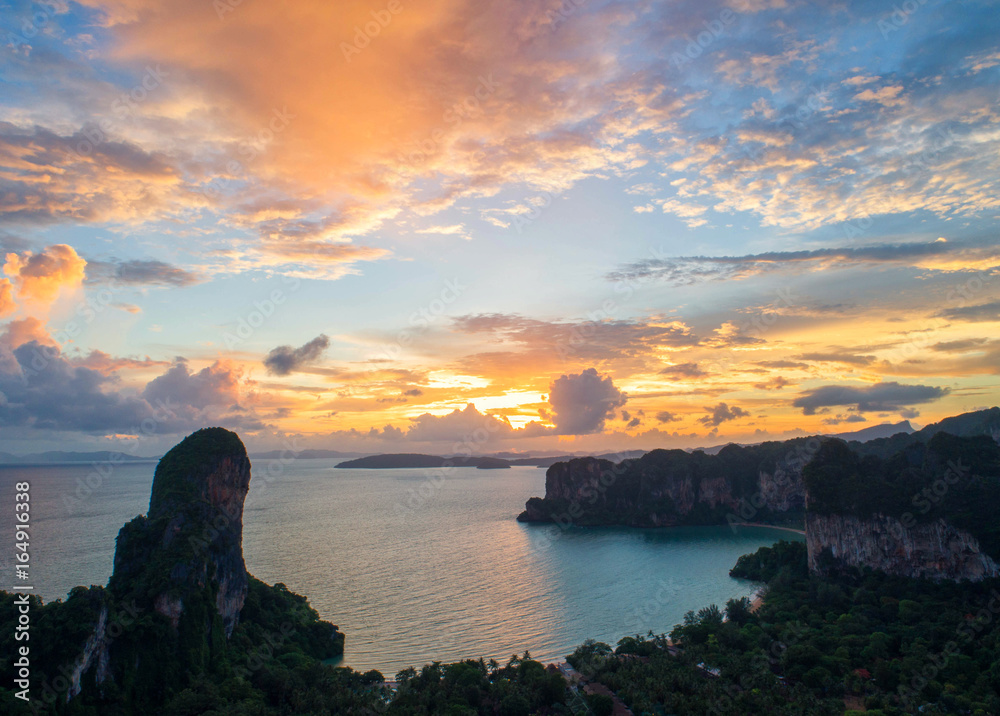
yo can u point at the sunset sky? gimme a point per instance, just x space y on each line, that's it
517 226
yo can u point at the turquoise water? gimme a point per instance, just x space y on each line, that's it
413 567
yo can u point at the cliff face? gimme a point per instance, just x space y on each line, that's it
935 550
926 511
671 487
189 546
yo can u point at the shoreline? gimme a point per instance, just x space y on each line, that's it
602 525
773 527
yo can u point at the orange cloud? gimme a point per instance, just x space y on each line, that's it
7 304
17 333
332 121
40 277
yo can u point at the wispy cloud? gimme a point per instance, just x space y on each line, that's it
935 255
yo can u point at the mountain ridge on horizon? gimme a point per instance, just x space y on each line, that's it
54 457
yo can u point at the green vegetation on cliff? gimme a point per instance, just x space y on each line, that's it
675 487
178 479
955 478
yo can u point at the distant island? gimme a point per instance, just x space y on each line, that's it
412 460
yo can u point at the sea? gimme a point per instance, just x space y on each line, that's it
413 565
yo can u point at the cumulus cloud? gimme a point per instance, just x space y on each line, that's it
881 397
217 384
665 416
457 426
722 413
45 390
582 402
22 330
39 277
286 359
579 404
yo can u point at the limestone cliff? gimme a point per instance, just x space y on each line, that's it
936 550
671 487
926 512
189 546
180 603
755 483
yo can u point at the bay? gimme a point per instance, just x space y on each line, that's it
413 565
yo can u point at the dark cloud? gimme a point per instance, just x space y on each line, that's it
782 364
582 402
960 346
286 359
974 314
683 370
848 358
413 392
42 389
888 397
217 384
665 416
838 419
722 413
776 383
144 273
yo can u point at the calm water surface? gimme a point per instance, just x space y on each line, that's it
411 568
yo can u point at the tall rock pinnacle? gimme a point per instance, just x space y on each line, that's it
185 557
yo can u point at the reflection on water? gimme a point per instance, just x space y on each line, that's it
413 569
